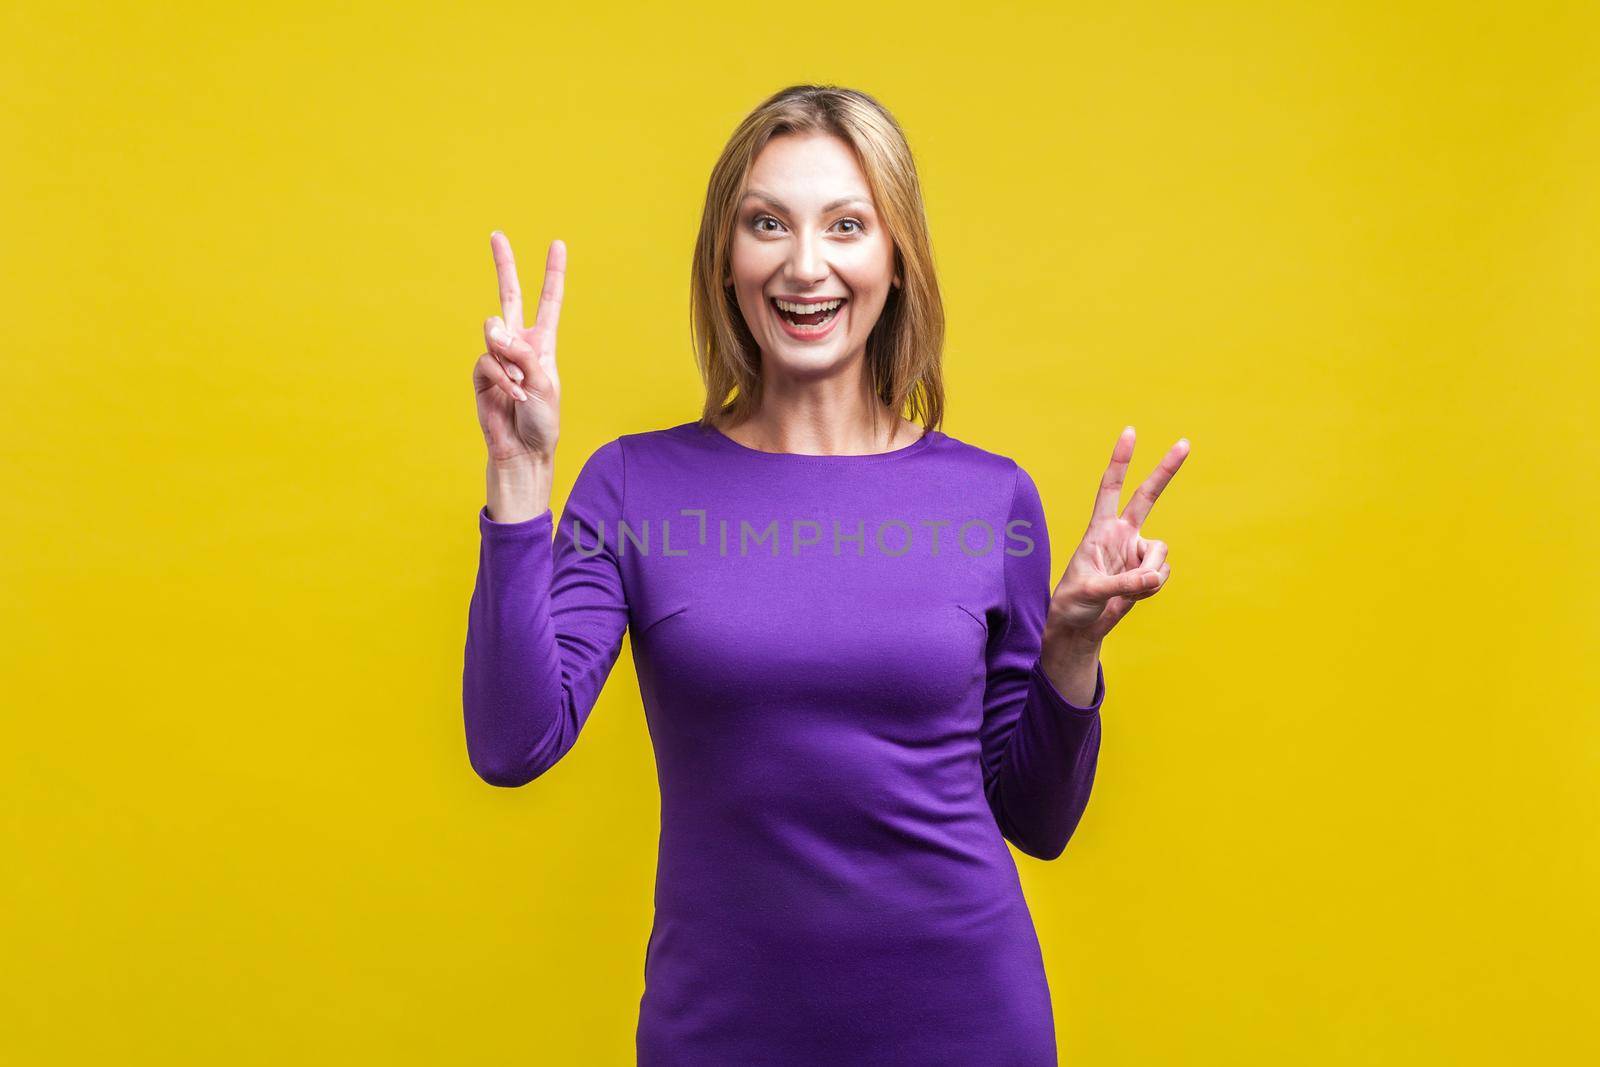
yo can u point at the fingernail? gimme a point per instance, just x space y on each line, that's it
500 335
515 372
520 394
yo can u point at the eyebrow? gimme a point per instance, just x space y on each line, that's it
781 206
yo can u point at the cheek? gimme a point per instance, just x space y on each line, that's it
748 255
747 273
869 268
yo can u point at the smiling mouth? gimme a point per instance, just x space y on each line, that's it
808 320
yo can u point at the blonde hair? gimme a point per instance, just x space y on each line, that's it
905 345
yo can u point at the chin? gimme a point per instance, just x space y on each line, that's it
801 359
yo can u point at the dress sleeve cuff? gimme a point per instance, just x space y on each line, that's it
538 526
1042 682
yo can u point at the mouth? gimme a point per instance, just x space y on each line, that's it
807 321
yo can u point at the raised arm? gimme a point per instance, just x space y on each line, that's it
1039 749
546 619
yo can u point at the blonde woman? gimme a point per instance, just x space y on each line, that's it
857 680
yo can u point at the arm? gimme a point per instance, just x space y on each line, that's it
1039 749
544 627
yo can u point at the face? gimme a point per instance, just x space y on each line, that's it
806 232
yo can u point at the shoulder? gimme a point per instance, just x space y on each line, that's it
976 455
643 445
997 472
645 457
664 439
660 452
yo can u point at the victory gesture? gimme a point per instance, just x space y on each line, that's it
519 393
1114 567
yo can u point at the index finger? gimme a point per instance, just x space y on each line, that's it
555 280
1110 492
1144 497
505 269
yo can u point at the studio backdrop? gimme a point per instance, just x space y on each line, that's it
1346 808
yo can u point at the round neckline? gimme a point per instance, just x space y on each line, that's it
865 457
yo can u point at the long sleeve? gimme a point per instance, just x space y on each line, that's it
544 627
1039 749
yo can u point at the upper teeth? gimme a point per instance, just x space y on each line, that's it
805 309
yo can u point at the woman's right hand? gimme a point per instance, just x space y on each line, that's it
518 391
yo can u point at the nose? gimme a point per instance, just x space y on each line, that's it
807 265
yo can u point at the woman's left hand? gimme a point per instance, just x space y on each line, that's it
1114 567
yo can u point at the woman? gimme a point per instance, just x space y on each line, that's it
856 679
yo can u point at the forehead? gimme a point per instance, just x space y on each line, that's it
808 168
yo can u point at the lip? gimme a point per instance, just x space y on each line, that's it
800 333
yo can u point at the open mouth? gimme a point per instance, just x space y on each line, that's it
807 317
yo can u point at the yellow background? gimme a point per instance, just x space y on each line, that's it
1346 810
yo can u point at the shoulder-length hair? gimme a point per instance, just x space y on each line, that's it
905 345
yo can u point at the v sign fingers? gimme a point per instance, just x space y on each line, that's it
505 269
518 393
1144 497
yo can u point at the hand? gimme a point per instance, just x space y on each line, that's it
1113 567
518 390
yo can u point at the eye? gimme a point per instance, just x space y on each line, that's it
756 222
858 227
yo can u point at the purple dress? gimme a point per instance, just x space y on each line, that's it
839 663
